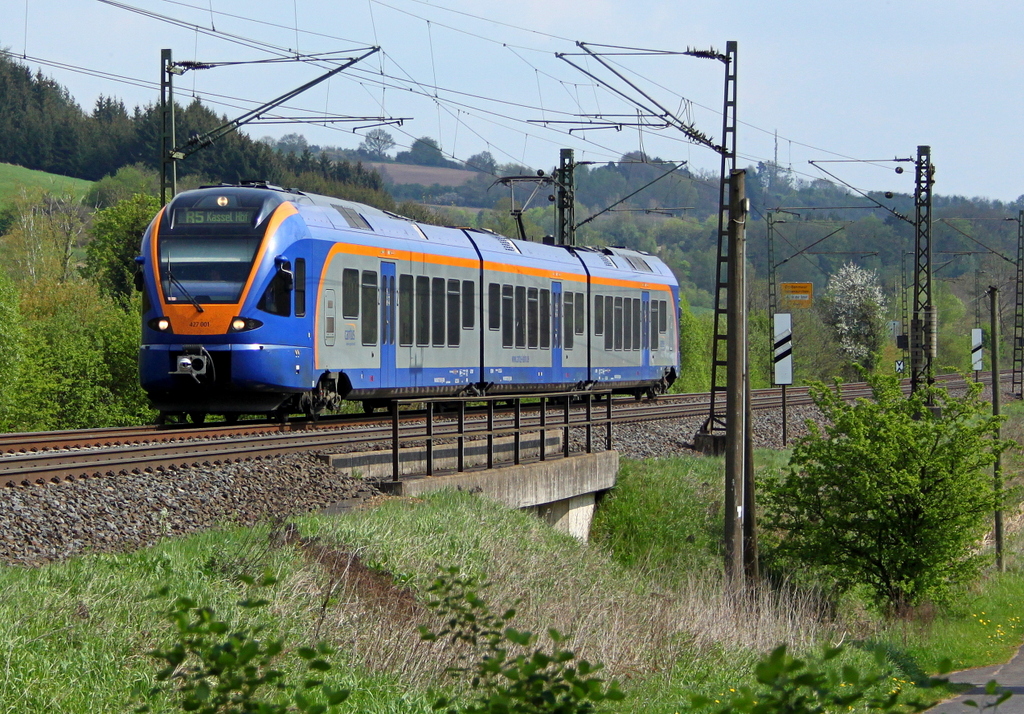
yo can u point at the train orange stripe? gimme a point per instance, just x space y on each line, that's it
412 256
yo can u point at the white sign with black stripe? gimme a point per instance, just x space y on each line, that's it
783 348
976 351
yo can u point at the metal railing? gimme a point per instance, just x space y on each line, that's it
487 427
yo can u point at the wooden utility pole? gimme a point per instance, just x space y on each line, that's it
740 540
997 467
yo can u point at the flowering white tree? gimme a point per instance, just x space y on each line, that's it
854 307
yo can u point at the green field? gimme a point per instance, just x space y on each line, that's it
13 179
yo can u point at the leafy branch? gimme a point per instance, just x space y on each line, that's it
528 683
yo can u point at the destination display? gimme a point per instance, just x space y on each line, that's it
218 216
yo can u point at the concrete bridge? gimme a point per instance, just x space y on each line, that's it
562 491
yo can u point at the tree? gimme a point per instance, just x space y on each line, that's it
292 144
116 234
854 307
125 183
424 152
45 230
377 143
79 369
12 347
483 161
889 495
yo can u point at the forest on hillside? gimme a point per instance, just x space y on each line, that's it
638 202
670 210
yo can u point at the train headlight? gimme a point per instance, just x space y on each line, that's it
243 324
160 324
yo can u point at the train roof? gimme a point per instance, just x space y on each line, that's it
361 216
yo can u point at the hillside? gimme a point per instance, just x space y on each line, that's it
14 179
424 175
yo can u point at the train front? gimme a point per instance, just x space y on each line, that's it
225 327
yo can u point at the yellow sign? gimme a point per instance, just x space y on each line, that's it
797 295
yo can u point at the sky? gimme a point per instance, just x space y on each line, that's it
849 85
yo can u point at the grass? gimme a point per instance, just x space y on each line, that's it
14 179
75 634
644 597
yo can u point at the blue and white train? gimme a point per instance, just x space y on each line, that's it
264 300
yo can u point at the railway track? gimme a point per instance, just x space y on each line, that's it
55 456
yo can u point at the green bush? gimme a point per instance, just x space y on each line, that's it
889 495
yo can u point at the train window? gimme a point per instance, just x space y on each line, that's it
599 314
627 323
654 325
637 324
369 307
437 312
405 310
350 293
507 311
520 316
300 287
618 323
568 314
532 318
545 319
494 306
468 304
422 310
663 316
609 327
276 299
581 319
454 296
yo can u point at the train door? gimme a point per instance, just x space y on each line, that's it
330 314
557 374
645 330
388 324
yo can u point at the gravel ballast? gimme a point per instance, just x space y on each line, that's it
46 523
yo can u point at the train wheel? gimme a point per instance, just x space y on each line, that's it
371 406
197 417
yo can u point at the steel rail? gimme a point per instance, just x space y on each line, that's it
212 445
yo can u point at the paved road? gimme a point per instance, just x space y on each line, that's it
1010 677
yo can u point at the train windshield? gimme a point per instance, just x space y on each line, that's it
206 269
207 248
